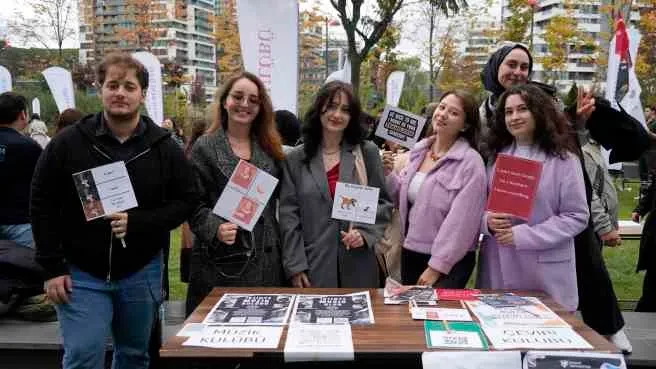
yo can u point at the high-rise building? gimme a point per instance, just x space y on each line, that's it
481 42
183 33
582 65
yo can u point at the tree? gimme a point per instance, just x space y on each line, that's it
228 49
173 74
516 26
413 97
142 30
431 12
646 63
197 92
47 23
562 37
83 76
311 61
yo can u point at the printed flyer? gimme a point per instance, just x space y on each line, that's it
353 308
251 309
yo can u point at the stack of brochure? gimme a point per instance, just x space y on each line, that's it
396 293
511 322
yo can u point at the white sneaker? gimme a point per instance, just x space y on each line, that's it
622 341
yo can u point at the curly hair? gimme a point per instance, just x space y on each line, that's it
264 126
312 128
552 130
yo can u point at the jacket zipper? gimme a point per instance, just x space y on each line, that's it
111 234
111 246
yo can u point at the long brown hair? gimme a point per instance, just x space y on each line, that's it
472 129
551 127
264 126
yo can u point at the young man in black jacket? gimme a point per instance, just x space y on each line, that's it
105 274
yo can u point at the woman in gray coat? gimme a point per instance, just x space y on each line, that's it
223 254
319 251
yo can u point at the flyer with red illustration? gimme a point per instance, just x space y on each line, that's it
246 195
514 185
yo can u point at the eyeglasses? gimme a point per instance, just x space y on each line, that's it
250 100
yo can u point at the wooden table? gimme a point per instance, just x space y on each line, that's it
395 339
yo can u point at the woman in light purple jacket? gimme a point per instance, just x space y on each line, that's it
537 254
441 197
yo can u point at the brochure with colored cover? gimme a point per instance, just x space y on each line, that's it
396 293
536 314
514 185
449 294
435 313
504 300
457 335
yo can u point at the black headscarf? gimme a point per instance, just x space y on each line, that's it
490 73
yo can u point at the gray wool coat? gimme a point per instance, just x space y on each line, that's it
311 238
254 260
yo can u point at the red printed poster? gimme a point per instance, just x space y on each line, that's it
448 294
514 186
245 210
244 174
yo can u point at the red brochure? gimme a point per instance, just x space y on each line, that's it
448 294
514 186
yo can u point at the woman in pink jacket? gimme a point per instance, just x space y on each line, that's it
537 254
441 195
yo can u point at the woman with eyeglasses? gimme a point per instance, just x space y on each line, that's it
536 254
319 251
223 254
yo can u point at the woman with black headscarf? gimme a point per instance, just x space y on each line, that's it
511 65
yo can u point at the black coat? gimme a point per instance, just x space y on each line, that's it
163 183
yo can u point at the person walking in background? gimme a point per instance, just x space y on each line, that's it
18 158
177 133
38 131
100 284
319 251
441 197
223 254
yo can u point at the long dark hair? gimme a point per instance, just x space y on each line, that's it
312 129
472 130
552 129
264 126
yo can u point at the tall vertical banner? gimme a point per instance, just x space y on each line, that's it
622 86
343 74
394 88
268 34
5 80
154 96
36 106
60 82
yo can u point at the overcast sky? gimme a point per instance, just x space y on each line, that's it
413 31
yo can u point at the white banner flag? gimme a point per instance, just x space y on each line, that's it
343 74
268 33
394 88
61 86
154 97
5 80
36 106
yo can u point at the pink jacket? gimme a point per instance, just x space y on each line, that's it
445 219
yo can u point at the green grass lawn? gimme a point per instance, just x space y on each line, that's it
621 261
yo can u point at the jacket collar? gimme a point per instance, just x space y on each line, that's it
152 133
228 160
346 169
456 152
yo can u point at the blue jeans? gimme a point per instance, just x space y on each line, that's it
19 233
126 308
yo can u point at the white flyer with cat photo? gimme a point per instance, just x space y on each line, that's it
355 203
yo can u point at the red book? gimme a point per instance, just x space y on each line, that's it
448 294
514 185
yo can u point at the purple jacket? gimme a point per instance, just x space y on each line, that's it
444 221
542 257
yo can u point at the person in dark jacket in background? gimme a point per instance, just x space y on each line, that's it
105 274
18 157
